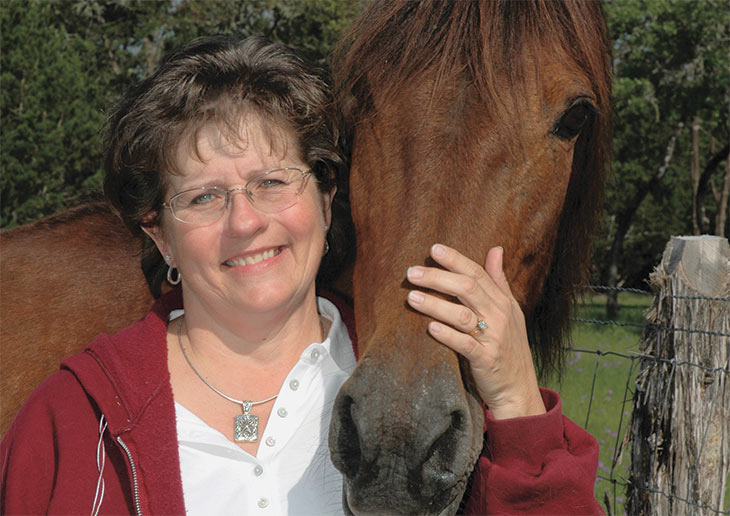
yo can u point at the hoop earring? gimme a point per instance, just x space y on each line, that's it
178 276
326 247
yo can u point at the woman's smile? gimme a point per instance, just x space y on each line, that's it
248 259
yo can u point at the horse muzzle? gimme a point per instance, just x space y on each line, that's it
405 435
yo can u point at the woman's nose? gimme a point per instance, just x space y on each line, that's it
242 216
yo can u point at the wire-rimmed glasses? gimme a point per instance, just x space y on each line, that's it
271 192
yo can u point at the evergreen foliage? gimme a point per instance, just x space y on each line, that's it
51 105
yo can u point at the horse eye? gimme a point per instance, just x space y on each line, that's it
573 120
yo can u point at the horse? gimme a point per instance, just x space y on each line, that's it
473 124
64 279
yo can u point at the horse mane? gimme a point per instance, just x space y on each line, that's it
393 42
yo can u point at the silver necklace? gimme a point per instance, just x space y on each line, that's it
245 426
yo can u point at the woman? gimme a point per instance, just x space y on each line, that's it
218 400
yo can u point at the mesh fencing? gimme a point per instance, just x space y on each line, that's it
607 376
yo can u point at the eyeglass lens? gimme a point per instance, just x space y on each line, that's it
270 192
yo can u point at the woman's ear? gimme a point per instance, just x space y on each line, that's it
327 198
158 237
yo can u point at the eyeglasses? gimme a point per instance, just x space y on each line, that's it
271 192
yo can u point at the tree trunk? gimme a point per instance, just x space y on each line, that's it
695 173
612 305
721 220
704 180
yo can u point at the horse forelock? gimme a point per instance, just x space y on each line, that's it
392 44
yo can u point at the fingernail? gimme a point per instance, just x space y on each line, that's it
415 297
434 327
437 251
415 272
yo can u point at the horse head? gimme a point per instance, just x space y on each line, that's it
475 124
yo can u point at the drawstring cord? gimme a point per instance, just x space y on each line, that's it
100 462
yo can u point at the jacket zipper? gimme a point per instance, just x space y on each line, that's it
137 504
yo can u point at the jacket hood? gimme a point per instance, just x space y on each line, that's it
121 373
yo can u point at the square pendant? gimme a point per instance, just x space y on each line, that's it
246 428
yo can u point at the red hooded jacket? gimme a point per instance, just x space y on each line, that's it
106 422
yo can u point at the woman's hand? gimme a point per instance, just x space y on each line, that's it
499 355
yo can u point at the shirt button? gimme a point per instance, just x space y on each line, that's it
315 355
282 412
263 503
270 441
294 385
258 471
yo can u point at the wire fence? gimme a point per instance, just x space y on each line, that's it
613 428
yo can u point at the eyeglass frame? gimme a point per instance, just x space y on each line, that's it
228 191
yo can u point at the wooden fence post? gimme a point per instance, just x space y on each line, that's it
680 428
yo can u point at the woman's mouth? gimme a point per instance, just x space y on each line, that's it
252 259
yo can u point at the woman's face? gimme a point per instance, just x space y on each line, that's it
247 261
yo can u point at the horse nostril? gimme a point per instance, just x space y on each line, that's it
437 471
346 452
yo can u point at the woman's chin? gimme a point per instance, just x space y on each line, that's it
268 297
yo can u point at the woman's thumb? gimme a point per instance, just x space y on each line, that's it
494 265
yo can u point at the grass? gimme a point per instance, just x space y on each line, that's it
601 369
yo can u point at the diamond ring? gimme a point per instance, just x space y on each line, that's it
480 327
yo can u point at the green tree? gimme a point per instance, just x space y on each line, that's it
126 34
671 69
49 104
312 26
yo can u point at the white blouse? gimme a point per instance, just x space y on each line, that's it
292 473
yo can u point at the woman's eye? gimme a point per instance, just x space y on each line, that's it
269 183
572 122
207 198
202 199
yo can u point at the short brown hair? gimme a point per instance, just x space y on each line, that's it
220 80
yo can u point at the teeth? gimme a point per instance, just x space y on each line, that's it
251 260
